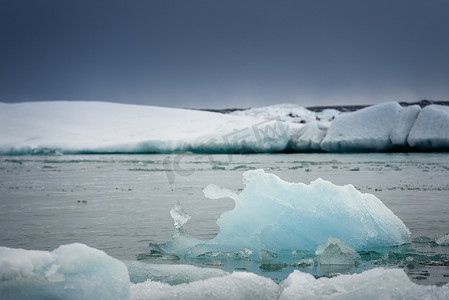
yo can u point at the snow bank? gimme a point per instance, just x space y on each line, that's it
238 285
376 128
431 129
372 284
73 271
377 283
271 214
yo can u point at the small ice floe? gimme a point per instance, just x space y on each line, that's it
443 241
306 262
335 252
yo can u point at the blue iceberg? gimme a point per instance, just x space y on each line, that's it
272 214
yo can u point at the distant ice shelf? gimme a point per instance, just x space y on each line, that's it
63 127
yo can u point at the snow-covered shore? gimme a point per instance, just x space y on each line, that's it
102 127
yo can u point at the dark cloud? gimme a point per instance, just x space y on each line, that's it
224 53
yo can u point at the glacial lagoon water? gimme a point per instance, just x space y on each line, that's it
121 204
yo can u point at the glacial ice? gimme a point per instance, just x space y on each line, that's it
376 128
63 127
73 271
271 214
431 128
335 252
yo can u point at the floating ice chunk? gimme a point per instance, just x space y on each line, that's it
238 285
245 253
265 255
271 214
306 262
375 128
335 252
422 239
443 241
180 217
272 267
372 284
73 271
213 191
181 242
171 274
431 129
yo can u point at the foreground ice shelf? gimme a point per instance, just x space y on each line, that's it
73 271
79 272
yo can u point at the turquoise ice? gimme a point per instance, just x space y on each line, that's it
272 214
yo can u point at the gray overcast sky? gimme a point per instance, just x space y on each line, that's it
217 54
